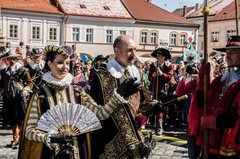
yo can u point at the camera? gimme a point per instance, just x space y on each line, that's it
191 69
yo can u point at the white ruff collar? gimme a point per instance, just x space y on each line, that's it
67 80
34 65
13 68
116 70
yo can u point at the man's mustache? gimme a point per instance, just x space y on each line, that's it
130 58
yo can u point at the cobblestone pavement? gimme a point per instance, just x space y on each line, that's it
5 138
167 147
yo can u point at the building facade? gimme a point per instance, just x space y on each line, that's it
221 26
196 16
93 25
37 24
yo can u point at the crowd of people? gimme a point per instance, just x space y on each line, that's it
125 94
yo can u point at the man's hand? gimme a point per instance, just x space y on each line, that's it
204 69
128 87
159 72
156 108
26 91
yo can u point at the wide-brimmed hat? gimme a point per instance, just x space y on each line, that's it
64 50
11 54
233 43
36 52
163 52
101 57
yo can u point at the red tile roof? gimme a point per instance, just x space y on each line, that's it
215 5
143 10
44 6
95 8
227 13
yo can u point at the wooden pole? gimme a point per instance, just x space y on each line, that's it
236 12
205 12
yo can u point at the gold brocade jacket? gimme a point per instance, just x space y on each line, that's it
122 132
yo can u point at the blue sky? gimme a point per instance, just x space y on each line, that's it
171 5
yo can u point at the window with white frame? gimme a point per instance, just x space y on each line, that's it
122 32
173 39
89 35
75 34
109 36
143 37
52 33
215 36
13 31
183 39
231 33
36 32
153 37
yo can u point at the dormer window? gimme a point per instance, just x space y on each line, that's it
82 6
106 7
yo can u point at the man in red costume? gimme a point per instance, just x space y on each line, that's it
223 105
160 74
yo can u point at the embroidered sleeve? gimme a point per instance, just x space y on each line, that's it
31 132
102 112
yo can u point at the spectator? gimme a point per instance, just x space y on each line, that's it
19 49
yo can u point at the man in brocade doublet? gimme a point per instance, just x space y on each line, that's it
16 84
223 118
119 137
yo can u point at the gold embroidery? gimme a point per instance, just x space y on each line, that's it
127 134
56 87
134 103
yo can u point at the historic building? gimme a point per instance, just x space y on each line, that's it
196 16
93 25
36 23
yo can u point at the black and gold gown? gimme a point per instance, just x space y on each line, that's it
51 93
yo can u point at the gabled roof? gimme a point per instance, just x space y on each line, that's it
95 8
143 10
44 6
227 13
215 5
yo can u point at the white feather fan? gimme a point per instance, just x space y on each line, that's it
68 118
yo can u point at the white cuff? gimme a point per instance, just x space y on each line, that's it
48 141
119 97
27 88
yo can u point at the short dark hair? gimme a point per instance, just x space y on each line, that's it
119 42
21 43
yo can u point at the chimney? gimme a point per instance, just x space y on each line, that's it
197 6
184 10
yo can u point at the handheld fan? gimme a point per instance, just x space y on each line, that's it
68 118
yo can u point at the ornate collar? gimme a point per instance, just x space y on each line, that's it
13 68
116 70
53 82
34 65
